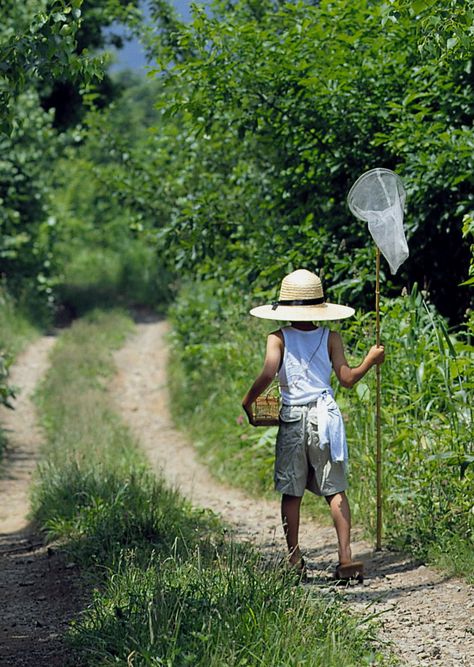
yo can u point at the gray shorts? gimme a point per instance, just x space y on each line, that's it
300 463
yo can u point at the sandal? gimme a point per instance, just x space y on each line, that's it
350 571
299 569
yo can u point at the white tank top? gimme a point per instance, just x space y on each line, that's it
306 368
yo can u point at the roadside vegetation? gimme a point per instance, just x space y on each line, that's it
169 588
16 330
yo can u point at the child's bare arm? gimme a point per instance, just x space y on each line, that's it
270 368
346 375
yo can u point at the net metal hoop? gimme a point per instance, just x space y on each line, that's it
378 171
378 198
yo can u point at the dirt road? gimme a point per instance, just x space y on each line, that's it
38 590
427 617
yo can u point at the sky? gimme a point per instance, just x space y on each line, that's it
132 56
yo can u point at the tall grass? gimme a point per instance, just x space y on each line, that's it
428 432
16 328
169 589
428 474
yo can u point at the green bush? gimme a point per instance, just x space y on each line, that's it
107 277
16 330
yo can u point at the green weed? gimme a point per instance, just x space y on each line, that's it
16 330
232 609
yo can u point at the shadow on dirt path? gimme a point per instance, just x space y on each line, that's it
39 590
40 595
427 617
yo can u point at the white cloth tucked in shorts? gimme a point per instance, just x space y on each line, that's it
302 460
331 426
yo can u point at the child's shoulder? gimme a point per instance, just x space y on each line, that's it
334 341
275 341
278 333
334 334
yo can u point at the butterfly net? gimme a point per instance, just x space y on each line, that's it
378 197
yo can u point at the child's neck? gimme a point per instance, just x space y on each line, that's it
304 326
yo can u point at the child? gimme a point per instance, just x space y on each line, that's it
311 449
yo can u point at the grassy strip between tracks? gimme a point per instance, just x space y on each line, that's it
169 588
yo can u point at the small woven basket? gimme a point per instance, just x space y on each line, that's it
266 408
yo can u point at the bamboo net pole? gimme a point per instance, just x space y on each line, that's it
378 408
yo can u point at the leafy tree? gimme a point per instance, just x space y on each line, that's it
25 224
42 46
283 105
65 94
38 43
102 245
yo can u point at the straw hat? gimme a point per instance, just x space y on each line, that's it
302 300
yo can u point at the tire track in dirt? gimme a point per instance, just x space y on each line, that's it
24 437
37 588
427 617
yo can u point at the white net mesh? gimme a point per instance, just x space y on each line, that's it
378 197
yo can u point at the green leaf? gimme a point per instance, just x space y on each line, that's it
363 392
470 281
447 339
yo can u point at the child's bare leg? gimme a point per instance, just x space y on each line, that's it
290 516
341 515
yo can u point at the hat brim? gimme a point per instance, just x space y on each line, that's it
321 312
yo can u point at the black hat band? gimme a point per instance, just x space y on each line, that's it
298 302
